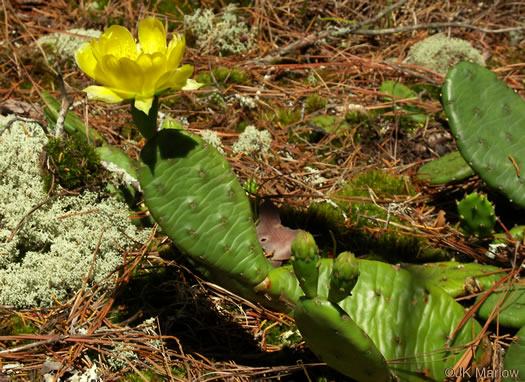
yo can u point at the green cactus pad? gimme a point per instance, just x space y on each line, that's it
476 215
280 286
512 313
457 279
197 200
400 91
487 118
345 273
514 358
517 233
407 318
335 338
116 156
450 167
305 255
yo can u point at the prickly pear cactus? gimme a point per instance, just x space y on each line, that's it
513 362
511 305
517 233
406 318
305 257
458 279
197 200
409 320
337 340
280 289
486 118
345 272
329 331
450 167
476 215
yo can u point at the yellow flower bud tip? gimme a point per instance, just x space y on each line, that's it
130 70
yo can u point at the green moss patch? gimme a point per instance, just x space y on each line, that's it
314 103
73 163
351 221
224 76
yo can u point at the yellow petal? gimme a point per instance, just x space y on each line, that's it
101 93
108 70
153 66
86 60
174 79
117 41
88 63
130 76
144 104
122 74
175 51
192 85
152 37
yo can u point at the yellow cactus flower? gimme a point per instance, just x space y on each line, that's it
135 71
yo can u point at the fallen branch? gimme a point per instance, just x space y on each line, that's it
410 28
64 107
359 30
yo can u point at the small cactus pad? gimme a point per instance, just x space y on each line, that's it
512 303
487 118
336 339
344 276
450 167
116 156
280 286
458 279
476 215
197 200
517 233
305 257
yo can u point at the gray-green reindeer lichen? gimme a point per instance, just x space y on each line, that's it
224 32
252 141
439 52
52 251
212 138
64 45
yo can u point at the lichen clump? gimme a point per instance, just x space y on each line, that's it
51 253
211 138
64 45
224 32
252 141
439 52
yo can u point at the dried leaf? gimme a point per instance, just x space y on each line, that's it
275 238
